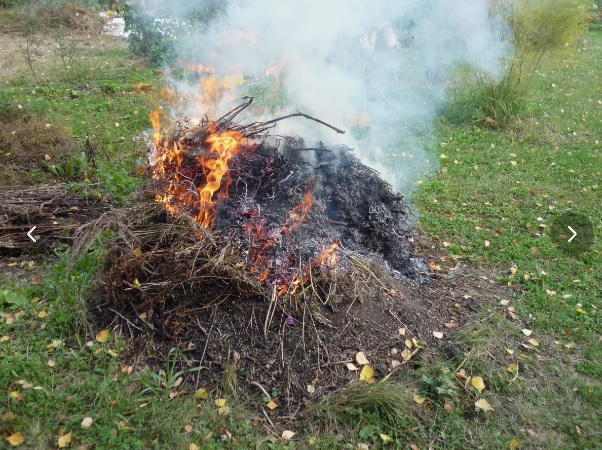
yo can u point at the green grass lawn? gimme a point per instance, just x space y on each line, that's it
492 203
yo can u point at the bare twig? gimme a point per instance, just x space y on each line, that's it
395 369
255 383
261 126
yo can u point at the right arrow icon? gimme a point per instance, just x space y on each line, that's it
574 234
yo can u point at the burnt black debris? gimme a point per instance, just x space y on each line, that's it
351 204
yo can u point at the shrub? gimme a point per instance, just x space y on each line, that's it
155 29
537 27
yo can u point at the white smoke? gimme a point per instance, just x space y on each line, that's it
385 64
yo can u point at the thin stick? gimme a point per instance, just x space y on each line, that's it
270 313
129 322
227 118
198 376
269 420
405 361
297 114
255 383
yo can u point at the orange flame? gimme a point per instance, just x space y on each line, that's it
329 257
224 146
201 68
213 89
298 214
155 121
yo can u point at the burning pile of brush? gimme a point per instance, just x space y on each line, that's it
288 208
257 237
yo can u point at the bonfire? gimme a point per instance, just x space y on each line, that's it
263 256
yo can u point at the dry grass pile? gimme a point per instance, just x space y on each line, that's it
56 211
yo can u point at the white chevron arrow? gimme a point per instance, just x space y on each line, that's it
574 234
29 234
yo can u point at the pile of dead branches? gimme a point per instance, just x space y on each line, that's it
55 210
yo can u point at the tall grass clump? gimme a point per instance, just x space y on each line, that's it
536 28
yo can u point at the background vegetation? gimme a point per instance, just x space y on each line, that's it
490 205
537 28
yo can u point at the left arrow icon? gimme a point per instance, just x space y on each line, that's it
29 234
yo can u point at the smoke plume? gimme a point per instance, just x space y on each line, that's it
377 69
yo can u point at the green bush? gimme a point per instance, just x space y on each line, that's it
537 28
146 39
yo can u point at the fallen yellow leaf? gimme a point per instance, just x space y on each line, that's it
137 251
201 394
102 336
406 354
533 342
64 440
510 352
478 383
367 374
193 446
484 405
351 367
513 444
361 358
87 422
288 435
385 437
271 404
409 343
418 399
220 402
526 332
512 368
402 331
42 314
438 334
15 439
188 428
